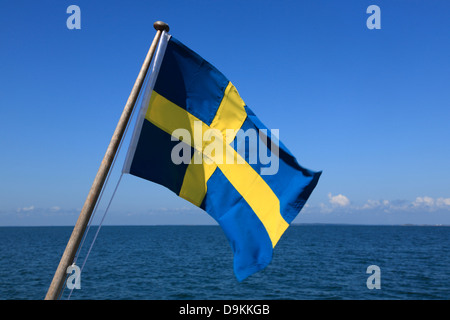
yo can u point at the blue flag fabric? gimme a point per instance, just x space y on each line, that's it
211 161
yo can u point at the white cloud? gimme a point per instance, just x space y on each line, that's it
423 202
370 204
337 203
339 209
378 204
443 202
25 209
339 200
431 203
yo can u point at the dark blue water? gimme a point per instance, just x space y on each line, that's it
195 262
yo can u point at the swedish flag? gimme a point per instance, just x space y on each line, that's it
253 209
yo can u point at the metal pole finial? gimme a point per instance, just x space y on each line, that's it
160 25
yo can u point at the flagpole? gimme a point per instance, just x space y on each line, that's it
86 212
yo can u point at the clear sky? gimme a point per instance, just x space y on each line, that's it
369 107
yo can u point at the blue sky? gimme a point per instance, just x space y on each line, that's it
371 108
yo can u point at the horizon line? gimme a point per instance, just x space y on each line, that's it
217 225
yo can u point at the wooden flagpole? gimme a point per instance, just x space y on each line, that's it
86 212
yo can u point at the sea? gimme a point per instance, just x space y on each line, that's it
310 262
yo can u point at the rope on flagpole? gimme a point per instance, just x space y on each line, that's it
95 210
99 200
93 195
86 216
98 229
100 197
